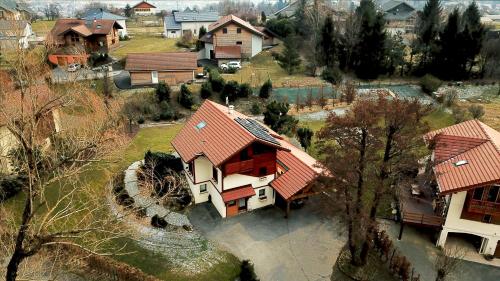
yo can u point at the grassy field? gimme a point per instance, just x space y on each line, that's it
490 100
263 67
144 43
42 27
155 139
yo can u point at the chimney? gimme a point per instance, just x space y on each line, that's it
231 109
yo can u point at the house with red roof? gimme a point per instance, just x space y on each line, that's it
231 39
465 162
144 8
239 164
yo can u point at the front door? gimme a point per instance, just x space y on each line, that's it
242 204
231 208
154 77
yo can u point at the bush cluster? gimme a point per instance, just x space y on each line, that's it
10 186
159 222
430 84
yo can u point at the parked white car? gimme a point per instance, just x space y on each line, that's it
231 64
74 67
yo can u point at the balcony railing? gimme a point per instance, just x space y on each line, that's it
422 219
478 206
239 167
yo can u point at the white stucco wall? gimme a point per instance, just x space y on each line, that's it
455 224
237 180
254 202
7 142
171 33
195 26
208 47
151 11
256 44
202 169
122 32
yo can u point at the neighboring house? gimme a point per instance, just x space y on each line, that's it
465 163
270 38
180 23
76 39
101 14
231 38
11 10
400 17
238 164
15 34
151 68
144 9
287 11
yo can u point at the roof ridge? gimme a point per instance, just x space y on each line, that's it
495 144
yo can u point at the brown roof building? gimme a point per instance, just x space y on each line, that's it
240 163
151 68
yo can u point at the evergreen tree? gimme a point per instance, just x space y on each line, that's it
266 89
328 43
473 33
395 53
289 59
186 98
305 136
450 62
162 92
199 44
301 22
206 90
370 48
428 30
276 116
263 17
128 11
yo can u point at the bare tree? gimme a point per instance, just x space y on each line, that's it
59 131
448 260
52 11
348 92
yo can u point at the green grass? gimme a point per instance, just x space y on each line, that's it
144 43
42 27
439 118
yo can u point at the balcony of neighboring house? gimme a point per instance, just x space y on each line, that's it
420 204
239 167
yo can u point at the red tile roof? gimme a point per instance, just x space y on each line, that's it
237 193
471 141
218 140
228 52
161 61
144 5
225 20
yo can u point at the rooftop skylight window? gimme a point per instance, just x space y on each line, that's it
460 163
201 125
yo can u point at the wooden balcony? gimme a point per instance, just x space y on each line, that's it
482 207
422 219
239 167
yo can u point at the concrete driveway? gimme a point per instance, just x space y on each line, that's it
302 248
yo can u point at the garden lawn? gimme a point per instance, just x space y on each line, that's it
144 43
99 175
263 67
42 27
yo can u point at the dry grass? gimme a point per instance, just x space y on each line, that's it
42 27
144 43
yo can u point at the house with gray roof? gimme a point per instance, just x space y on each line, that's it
101 14
400 17
11 10
180 23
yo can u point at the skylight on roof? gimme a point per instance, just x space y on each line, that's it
460 163
201 125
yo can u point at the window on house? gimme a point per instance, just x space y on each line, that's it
493 193
191 167
215 174
487 218
262 193
173 32
203 188
75 38
262 171
478 193
231 203
239 42
1 15
224 30
195 31
244 155
238 30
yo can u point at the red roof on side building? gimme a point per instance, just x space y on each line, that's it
161 61
225 20
467 156
144 5
237 193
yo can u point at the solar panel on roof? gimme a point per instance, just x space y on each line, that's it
256 129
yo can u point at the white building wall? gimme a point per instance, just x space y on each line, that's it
194 27
256 44
202 169
172 33
237 180
455 224
255 202
217 201
151 11
122 32
208 47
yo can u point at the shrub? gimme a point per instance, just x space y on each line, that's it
449 98
230 91
255 110
477 111
305 136
141 120
186 41
10 186
162 163
245 90
124 38
216 81
206 90
162 92
186 98
141 213
266 89
429 83
459 115
332 74
247 271
159 222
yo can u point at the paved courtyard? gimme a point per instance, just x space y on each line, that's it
301 248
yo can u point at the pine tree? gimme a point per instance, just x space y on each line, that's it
128 11
370 48
450 62
328 43
289 58
428 31
473 33
263 17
